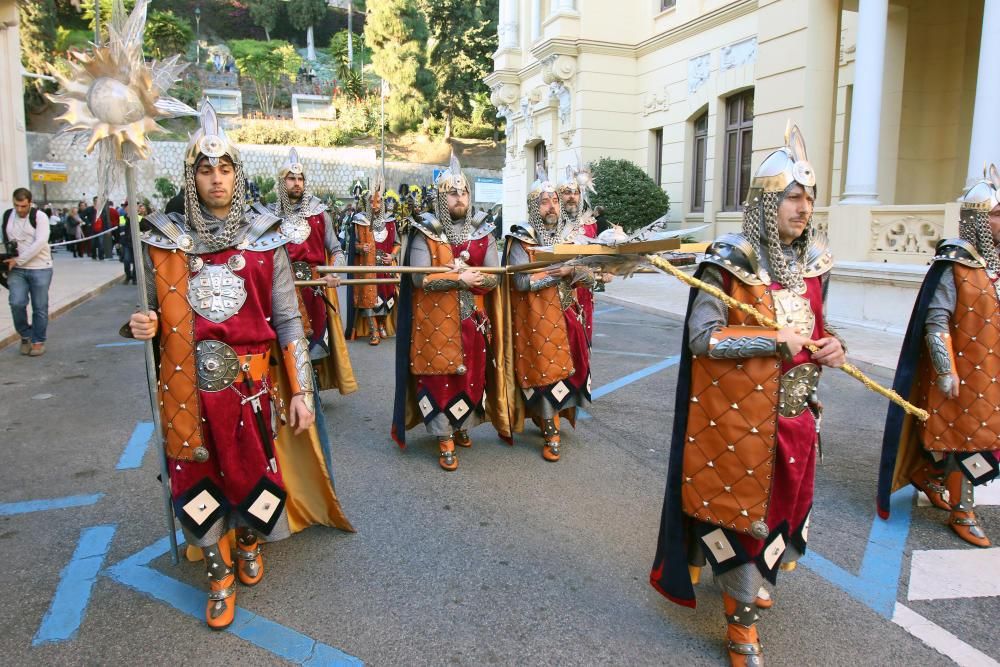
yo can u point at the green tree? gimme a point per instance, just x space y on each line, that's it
166 34
265 13
459 53
303 15
37 25
396 33
165 188
629 196
265 63
89 15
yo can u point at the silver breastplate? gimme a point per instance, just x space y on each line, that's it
216 293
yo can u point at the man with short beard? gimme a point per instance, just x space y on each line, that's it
447 348
222 300
949 365
551 360
313 243
744 444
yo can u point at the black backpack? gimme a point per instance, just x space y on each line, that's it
32 218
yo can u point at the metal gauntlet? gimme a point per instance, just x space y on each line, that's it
585 276
298 367
547 281
742 343
942 358
489 282
443 282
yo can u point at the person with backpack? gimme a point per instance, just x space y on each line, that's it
25 232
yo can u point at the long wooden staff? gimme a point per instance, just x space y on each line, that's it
349 281
766 321
518 268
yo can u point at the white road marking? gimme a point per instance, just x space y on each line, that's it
940 639
954 573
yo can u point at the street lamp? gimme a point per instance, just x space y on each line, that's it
197 38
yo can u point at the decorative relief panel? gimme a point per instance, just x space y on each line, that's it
740 53
655 100
914 234
699 70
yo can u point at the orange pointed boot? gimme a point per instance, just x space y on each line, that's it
447 458
550 432
963 520
249 561
221 607
764 599
462 438
741 631
931 482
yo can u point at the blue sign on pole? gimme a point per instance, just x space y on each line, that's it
437 173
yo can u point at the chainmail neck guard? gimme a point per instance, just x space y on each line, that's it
760 227
548 235
288 210
456 231
974 227
213 233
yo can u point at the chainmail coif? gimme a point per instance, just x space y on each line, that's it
767 239
225 236
974 227
456 232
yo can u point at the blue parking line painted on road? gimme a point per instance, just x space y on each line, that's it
281 640
76 582
877 583
126 343
606 389
136 446
26 506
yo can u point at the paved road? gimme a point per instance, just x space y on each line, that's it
511 560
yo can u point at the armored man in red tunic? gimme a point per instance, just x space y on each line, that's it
222 298
743 455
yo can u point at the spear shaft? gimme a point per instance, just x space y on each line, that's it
765 321
143 306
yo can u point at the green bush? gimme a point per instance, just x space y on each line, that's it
165 188
471 130
630 197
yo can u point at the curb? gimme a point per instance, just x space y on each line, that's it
69 305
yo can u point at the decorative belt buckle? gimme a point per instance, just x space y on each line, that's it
217 365
303 271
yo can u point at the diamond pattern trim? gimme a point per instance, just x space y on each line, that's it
178 386
436 343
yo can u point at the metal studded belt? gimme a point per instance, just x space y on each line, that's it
797 385
218 366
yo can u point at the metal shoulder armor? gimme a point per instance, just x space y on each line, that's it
735 254
480 227
819 259
431 227
524 232
359 218
263 230
168 230
314 206
959 251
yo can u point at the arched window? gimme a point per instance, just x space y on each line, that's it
699 155
541 157
738 150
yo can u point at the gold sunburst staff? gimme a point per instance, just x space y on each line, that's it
114 98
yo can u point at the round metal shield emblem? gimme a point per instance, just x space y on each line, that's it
297 230
217 365
759 530
302 270
236 262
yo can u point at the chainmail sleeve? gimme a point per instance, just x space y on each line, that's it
149 278
285 318
942 305
492 258
420 255
522 280
330 239
708 333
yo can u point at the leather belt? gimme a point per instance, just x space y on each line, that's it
797 386
218 366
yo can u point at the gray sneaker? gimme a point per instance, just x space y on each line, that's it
25 346
37 350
